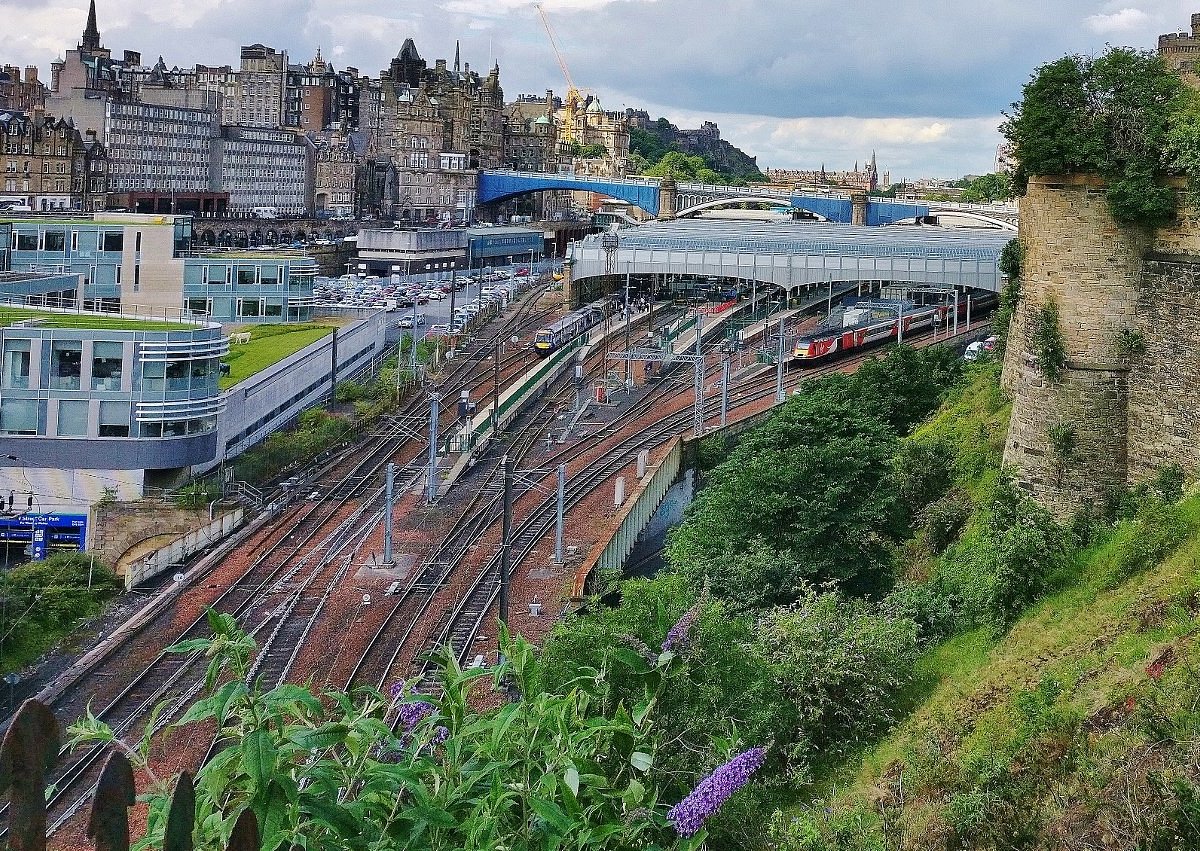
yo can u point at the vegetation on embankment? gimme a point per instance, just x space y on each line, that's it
44 601
934 661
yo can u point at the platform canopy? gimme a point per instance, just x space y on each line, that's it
793 254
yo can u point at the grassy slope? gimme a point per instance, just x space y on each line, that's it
1049 735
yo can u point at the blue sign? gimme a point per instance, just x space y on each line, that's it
43 533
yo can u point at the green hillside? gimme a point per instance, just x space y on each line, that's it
1076 727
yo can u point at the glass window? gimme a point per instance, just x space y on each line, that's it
73 418
245 276
114 419
16 365
175 429
178 373
274 308
150 430
107 359
19 416
249 307
153 375
114 240
66 361
56 240
199 306
26 241
270 275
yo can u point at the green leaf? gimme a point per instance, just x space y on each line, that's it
273 821
641 761
325 736
258 758
190 646
635 793
571 778
332 813
551 813
294 694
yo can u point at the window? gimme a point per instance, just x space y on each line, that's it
16 365
66 360
56 240
153 375
114 419
270 275
177 376
113 240
250 307
19 416
73 417
273 308
27 241
245 276
200 306
107 359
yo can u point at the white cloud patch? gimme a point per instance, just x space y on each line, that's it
1120 21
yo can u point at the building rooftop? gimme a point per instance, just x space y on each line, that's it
33 317
268 345
811 238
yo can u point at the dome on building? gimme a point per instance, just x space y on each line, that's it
594 107
542 119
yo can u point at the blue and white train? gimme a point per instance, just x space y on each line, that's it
556 335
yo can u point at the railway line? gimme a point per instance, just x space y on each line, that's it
282 568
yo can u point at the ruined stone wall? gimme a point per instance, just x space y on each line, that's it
1129 316
1164 381
1077 256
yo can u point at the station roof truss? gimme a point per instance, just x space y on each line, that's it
792 254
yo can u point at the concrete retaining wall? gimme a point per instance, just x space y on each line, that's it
178 551
636 515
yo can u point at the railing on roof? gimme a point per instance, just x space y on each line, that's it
133 312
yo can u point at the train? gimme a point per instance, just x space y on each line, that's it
553 337
867 323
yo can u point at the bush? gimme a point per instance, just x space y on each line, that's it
43 601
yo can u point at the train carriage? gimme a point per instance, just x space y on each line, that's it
556 335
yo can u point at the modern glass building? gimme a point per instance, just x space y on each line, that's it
131 403
146 265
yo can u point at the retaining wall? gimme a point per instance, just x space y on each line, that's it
180 549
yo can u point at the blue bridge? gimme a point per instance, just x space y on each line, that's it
693 198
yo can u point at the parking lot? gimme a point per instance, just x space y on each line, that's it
426 304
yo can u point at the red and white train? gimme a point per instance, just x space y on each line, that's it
869 323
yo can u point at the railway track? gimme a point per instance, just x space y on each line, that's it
172 677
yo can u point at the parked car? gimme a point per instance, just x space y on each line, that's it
409 321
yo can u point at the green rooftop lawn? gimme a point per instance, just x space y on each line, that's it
47 319
269 344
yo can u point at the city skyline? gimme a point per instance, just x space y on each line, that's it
796 86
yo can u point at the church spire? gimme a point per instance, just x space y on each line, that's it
457 64
91 33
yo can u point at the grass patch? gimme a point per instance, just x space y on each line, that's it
269 344
48 319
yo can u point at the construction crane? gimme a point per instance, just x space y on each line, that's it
573 99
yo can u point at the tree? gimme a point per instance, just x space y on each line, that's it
1113 116
812 484
988 188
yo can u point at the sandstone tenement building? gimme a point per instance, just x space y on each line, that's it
1128 401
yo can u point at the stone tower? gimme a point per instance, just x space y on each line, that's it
1128 402
666 199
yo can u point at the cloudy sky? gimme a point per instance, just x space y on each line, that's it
798 83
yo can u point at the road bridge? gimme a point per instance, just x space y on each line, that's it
794 255
693 198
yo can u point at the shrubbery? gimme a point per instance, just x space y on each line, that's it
42 601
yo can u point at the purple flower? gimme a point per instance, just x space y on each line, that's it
439 736
677 636
689 815
413 713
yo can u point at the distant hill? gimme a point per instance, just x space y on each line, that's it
651 141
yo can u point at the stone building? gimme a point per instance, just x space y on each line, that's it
437 128
1181 51
335 185
1128 299
21 95
46 164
